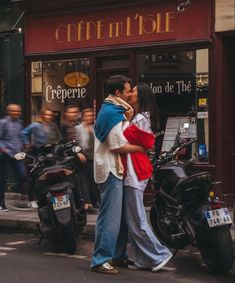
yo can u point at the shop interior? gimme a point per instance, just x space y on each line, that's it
179 80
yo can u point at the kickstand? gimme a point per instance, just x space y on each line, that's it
40 240
174 252
41 236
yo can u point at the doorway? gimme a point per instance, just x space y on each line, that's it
109 66
229 118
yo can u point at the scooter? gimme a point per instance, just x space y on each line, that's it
56 186
185 210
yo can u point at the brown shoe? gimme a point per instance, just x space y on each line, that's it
121 262
105 268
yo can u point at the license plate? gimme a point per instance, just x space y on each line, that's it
60 202
218 217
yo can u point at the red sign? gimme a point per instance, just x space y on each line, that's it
149 23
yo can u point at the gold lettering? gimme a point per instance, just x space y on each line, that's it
128 26
111 30
141 25
168 21
58 34
150 23
115 29
71 32
159 23
138 24
89 29
100 25
118 29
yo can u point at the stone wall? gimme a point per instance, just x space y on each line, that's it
224 15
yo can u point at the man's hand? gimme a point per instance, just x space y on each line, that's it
129 148
129 114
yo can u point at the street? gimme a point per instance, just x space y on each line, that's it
23 260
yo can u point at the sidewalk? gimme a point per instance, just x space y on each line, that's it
21 218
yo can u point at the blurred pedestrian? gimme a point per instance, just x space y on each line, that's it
11 142
71 119
85 139
43 132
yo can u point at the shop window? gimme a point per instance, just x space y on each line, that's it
179 80
58 83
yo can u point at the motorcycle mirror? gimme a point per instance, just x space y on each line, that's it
76 149
183 128
186 125
20 156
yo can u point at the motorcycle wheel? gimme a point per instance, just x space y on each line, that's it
162 233
216 247
69 237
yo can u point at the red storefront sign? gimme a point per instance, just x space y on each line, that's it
142 24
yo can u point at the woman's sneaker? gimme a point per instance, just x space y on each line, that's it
160 265
3 208
33 204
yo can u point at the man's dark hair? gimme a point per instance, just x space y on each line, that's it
70 106
117 82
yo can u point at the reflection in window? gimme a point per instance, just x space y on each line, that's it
58 83
179 81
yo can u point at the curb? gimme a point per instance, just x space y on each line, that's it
32 226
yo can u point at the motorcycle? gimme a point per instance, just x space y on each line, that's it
56 186
185 210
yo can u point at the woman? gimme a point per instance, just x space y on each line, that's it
146 251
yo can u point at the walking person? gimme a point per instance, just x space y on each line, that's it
41 133
145 249
85 139
71 119
110 236
11 142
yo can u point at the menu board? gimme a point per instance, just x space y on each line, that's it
171 131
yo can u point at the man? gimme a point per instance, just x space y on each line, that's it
71 116
11 142
110 245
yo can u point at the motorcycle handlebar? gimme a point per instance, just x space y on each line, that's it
167 156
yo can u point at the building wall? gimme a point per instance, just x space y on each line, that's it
224 15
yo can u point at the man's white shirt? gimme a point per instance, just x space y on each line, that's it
104 157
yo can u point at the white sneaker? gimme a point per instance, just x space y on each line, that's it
33 204
160 265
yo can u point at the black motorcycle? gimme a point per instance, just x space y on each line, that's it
186 211
56 186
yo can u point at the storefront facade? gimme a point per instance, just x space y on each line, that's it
225 93
70 54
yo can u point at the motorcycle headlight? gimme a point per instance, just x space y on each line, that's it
76 149
204 179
